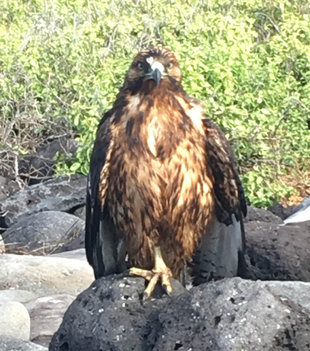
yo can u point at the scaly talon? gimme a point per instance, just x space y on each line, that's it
160 272
144 273
151 286
166 283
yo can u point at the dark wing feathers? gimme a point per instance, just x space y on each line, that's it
95 212
229 194
220 252
105 249
228 191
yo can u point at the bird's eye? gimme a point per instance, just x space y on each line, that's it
140 65
170 65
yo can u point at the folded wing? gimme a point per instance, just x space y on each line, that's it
220 251
104 249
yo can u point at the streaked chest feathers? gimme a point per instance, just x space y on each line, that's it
162 151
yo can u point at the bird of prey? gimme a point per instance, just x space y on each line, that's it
163 192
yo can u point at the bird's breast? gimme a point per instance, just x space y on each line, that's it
160 165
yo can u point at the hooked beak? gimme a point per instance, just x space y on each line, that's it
156 72
156 75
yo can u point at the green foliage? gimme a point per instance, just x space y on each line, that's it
62 63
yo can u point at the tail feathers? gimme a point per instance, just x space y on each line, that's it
109 251
219 253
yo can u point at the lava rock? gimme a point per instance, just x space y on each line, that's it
41 166
60 194
262 215
281 211
277 252
230 314
45 232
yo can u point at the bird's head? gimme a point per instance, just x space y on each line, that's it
151 68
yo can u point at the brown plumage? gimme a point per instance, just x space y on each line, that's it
163 187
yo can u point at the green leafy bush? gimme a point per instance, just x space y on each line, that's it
62 63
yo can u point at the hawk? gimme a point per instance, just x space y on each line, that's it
163 192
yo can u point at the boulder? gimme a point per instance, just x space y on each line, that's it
12 344
18 295
40 166
80 212
277 252
262 215
46 315
7 187
61 194
230 314
2 246
78 254
45 232
14 320
44 275
281 211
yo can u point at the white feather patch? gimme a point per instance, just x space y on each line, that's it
195 115
150 60
159 66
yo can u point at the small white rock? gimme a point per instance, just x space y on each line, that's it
14 320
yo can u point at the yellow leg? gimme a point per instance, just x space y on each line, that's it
159 272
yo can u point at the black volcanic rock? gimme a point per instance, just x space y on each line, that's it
281 211
230 314
40 166
262 215
278 252
60 194
45 232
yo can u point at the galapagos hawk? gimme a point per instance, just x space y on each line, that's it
163 192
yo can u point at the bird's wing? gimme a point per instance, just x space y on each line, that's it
229 194
102 244
220 252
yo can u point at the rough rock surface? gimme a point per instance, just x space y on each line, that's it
281 211
78 254
46 316
37 167
60 194
45 232
262 215
278 252
44 275
230 314
14 320
7 187
20 295
30 283
12 344
80 212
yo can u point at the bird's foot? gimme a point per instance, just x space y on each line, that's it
160 273
153 277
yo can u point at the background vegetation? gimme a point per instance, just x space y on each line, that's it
62 63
